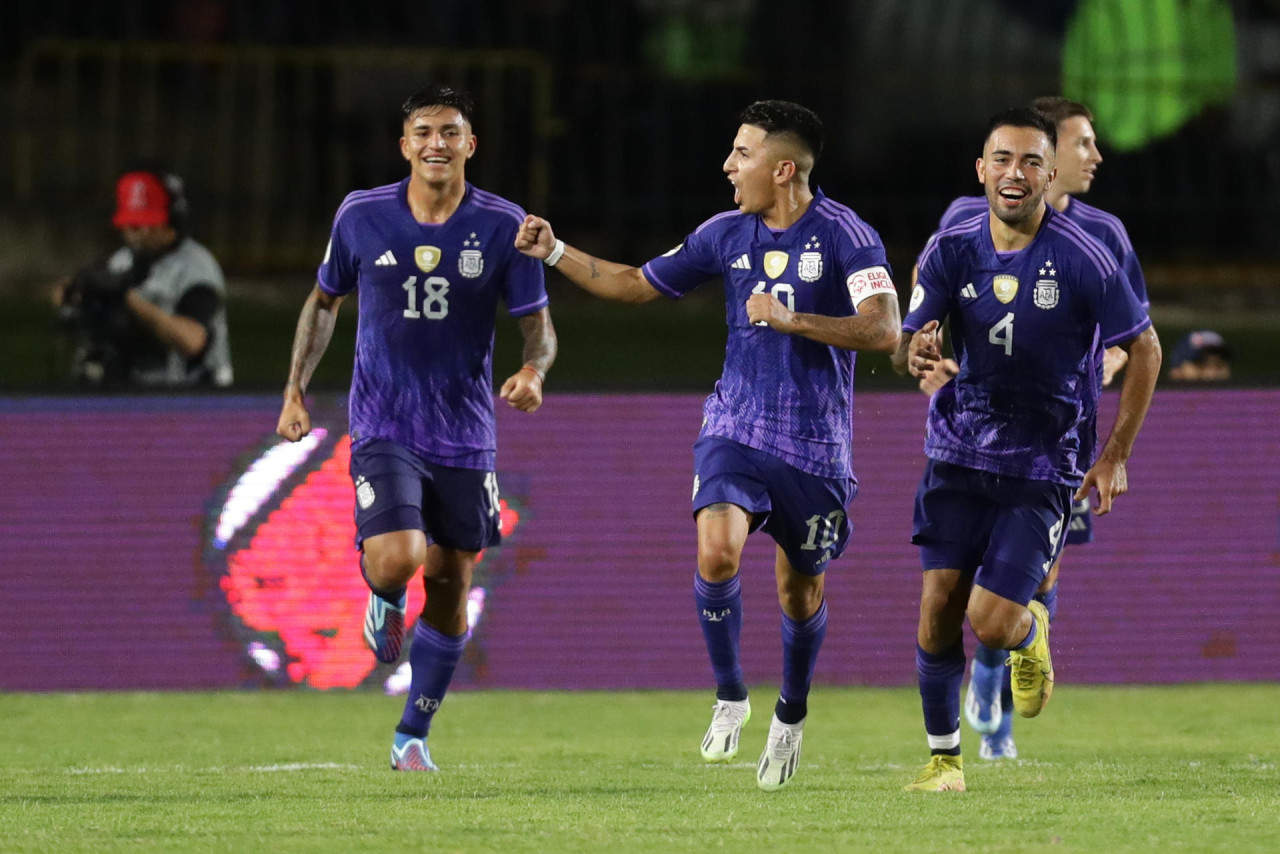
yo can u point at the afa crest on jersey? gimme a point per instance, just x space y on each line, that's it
470 263
1005 288
810 266
1046 294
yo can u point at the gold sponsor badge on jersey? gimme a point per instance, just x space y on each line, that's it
1005 288
426 257
775 263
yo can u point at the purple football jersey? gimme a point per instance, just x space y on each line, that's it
1102 225
1024 327
428 297
783 394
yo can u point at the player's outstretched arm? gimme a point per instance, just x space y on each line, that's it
310 339
523 389
605 279
875 327
1109 475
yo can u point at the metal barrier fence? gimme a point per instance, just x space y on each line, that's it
269 140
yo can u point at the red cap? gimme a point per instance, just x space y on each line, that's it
140 200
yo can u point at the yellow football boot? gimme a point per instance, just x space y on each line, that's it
943 774
1032 668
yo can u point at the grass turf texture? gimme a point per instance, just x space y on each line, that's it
1186 768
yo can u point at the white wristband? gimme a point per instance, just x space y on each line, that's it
556 252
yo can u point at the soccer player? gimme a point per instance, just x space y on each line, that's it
806 284
988 702
1028 293
430 257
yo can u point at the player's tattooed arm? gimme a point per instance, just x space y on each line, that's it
540 344
607 279
874 327
523 389
310 339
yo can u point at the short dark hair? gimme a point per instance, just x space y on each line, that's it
438 95
1058 109
788 119
1023 117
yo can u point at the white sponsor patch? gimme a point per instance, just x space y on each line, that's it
671 252
917 298
865 283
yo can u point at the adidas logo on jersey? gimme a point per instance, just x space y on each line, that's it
968 291
386 259
743 263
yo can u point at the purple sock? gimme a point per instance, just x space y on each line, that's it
720 615
1030 638
1050 601
433 657
800 644
1006 693
940 676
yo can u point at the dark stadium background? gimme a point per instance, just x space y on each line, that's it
612 119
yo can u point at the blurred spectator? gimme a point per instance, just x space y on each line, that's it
153 315
1201 356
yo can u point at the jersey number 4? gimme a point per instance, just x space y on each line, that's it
1001 334
434 304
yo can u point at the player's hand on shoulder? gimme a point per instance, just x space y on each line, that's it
295 421
535 237
523 390
767 310
942 373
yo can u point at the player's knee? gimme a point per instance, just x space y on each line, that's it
994 630
941 620
717 561
391 567
799 603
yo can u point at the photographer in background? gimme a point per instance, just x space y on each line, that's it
154 314
1201 356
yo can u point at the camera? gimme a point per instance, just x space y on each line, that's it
94 316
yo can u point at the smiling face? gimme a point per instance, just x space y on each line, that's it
1016 167
755 168
1077 156
438 142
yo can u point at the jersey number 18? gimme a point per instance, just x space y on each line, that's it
435 298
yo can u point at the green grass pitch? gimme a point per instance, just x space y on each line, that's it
1104 769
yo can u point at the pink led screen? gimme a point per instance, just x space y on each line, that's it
173 543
